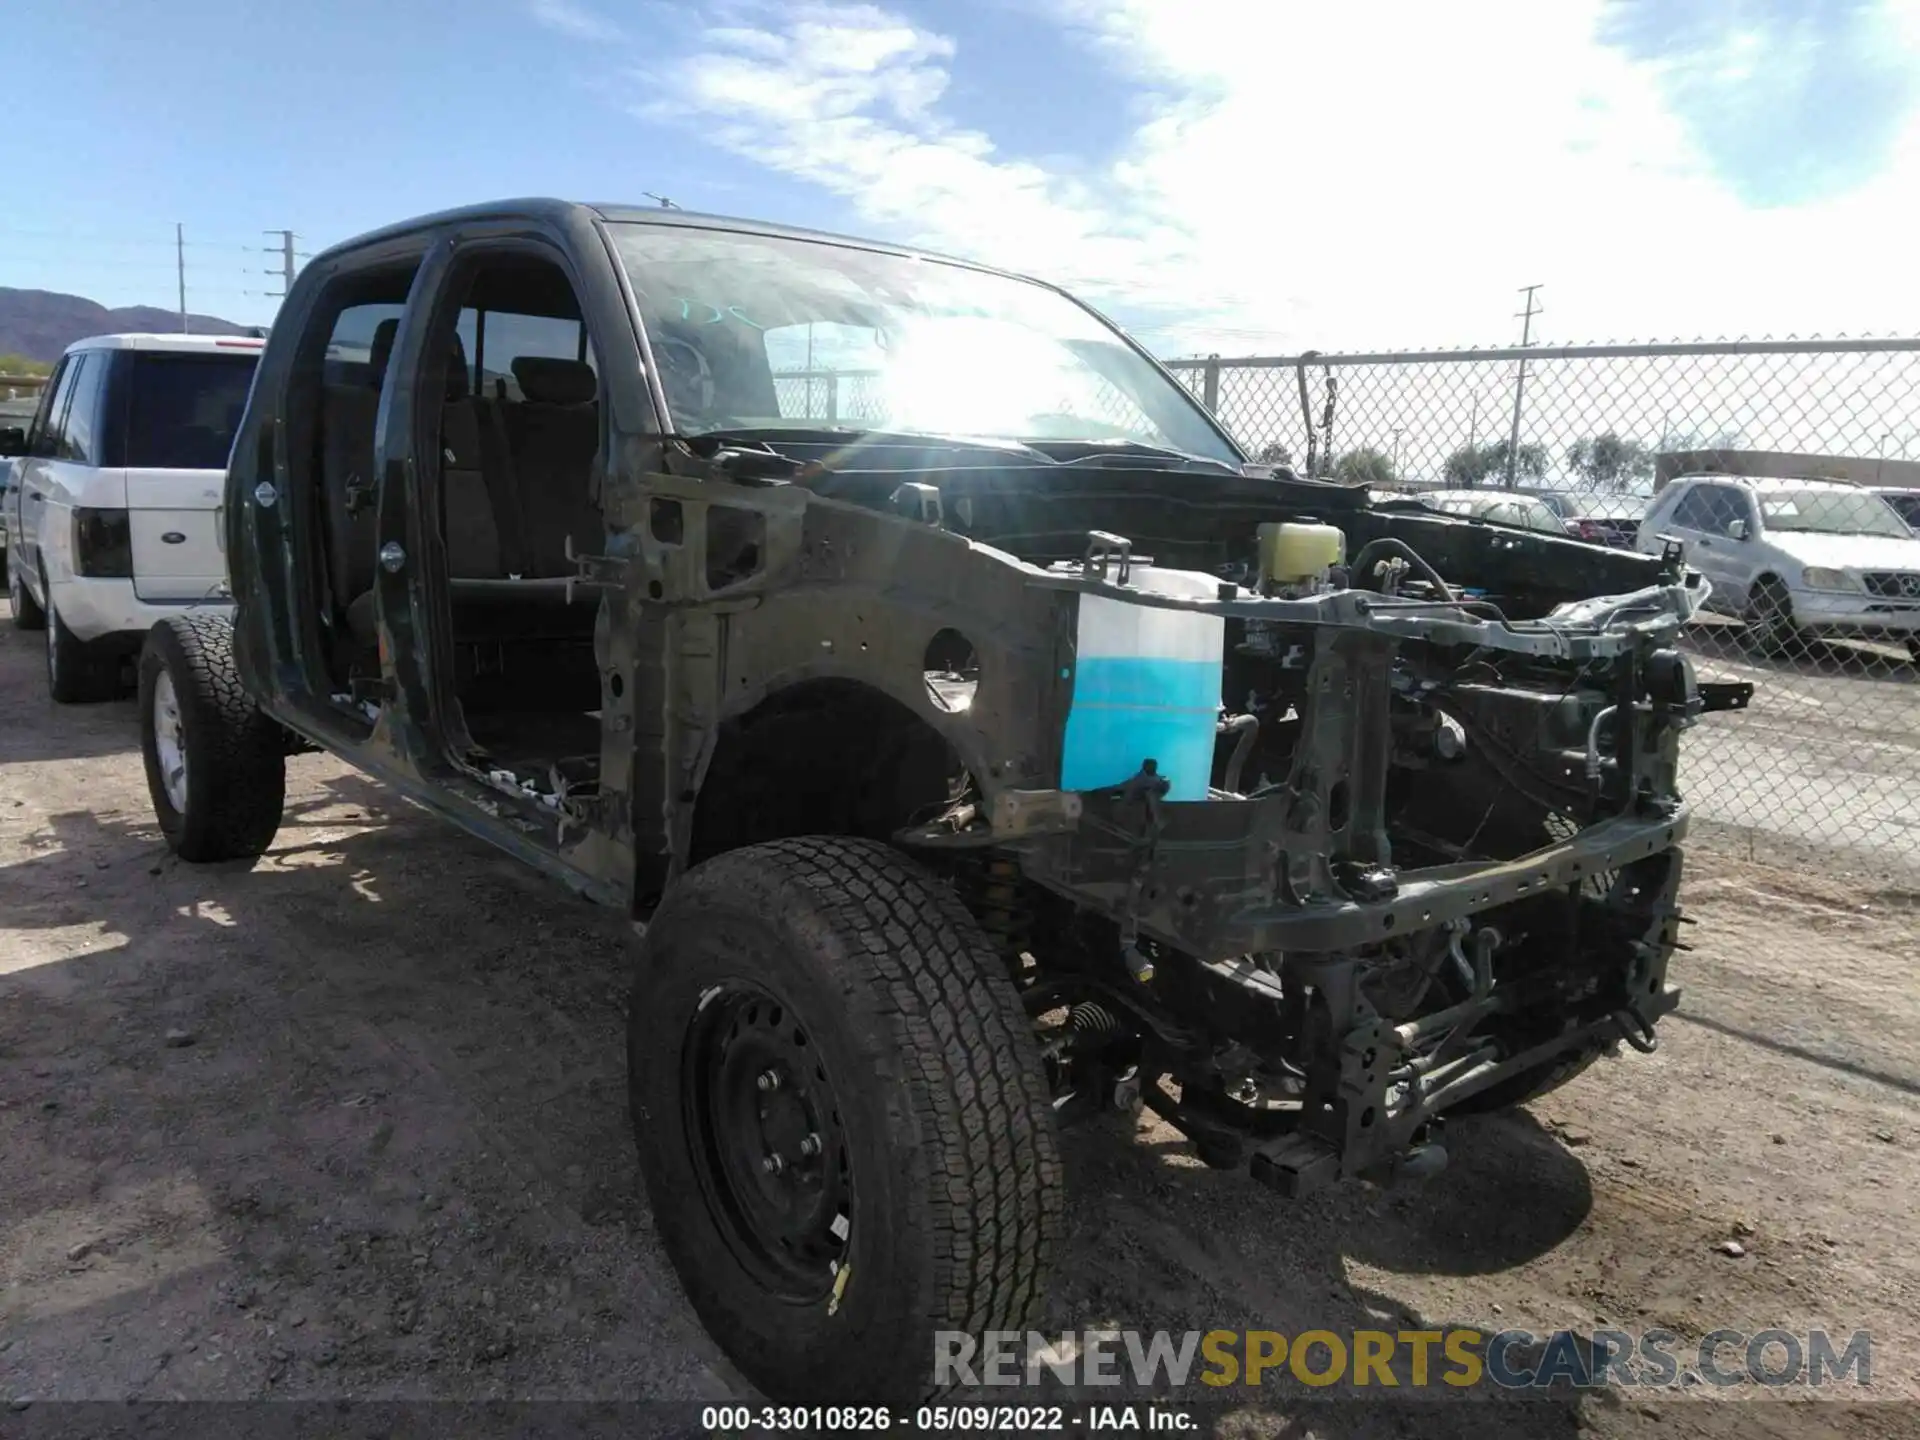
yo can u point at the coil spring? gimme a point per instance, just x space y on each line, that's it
1001 914
1091 1018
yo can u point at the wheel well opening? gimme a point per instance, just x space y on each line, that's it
829 757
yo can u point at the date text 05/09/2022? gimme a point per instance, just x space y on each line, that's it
945 1419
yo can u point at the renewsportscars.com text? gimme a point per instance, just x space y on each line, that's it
1458 1358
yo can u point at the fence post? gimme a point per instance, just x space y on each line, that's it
1210 385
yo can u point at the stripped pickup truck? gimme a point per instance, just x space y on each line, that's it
977 739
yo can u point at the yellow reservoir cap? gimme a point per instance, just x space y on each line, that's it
1291 553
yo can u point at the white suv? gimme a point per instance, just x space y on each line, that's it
1795 558
113 513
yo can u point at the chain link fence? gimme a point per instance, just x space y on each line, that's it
1783 466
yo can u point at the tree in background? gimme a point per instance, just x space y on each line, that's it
21 365
1364 466
1472 466
1610 463
1274 452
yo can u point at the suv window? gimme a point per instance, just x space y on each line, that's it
185 409
80 430
44 442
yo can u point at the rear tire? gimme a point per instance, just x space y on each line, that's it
79 672
27 614
908 1097
216 766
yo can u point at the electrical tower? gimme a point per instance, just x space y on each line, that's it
288 266
1525 317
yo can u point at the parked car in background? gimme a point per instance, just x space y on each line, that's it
1602 519
1499 507
1795 559
117 491
1905 503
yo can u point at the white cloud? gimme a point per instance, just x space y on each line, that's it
1314 175
571 19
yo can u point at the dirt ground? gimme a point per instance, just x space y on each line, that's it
351 1123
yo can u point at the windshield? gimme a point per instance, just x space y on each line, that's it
185 409
756 331
1830 512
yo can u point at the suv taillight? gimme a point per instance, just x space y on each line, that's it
102 545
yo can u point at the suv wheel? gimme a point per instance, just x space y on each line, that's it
842 1118
216 766
27 614
1913 651
78 671
1769 617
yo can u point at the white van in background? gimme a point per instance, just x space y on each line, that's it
114 510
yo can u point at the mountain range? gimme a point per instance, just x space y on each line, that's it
39 324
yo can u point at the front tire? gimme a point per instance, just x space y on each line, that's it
27 614
216 766
1769 616
842 1118
79 672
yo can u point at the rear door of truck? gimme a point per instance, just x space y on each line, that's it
182 409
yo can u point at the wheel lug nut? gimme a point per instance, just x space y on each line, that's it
769 1080
773 1164
810 1146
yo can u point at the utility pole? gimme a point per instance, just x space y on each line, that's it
285 251
180 269
1525 318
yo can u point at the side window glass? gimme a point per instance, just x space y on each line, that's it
44 443
79 441
360 345
1691 512
1724 505
500 338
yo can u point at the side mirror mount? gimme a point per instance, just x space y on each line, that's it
1737 529
13 441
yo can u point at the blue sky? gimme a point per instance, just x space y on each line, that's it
1239 175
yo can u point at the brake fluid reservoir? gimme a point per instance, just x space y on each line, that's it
1146 686
1293 553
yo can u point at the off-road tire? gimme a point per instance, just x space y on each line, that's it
1913 651
27 614
1529 1085
945 1117
79 672
1769 619
236 756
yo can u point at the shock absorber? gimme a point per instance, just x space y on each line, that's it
1002 915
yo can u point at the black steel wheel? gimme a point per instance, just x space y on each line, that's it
769 1147
842 1118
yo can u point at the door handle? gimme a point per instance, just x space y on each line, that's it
35 495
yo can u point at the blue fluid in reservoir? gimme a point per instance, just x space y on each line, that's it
1127 709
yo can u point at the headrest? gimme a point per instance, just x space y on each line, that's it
457 371
381 350
547 381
